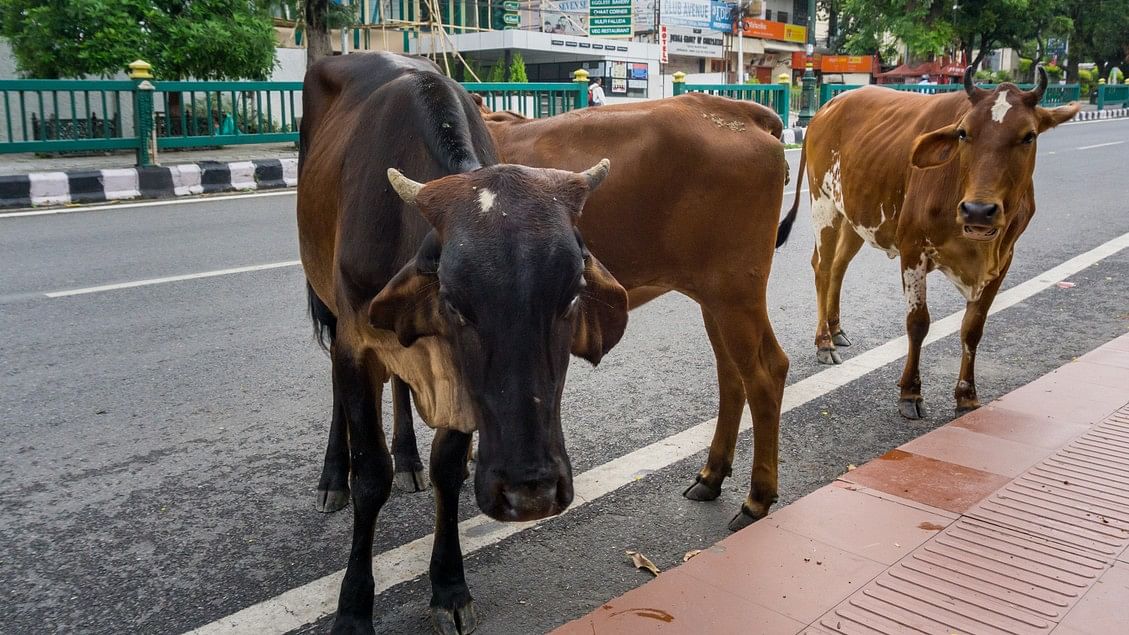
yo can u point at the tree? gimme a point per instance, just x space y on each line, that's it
517 69
1100 34
929 28
316 13
204 39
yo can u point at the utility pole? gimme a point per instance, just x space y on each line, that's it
807 97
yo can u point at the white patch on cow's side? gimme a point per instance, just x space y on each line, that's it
486 199
870 234
1000 108
830 201
913 283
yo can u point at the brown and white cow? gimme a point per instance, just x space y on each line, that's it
939 181
700 221
468 279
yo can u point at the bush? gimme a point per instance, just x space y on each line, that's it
1000 77
1054 72
983 76
1025 66
517 69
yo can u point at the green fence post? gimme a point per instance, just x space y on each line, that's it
679 83
1101 96
580 79
139 72
784 81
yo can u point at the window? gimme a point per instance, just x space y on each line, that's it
782 16
799 12
768 14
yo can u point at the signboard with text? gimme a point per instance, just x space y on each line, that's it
769 30
695 43
609 18
664 44
837 63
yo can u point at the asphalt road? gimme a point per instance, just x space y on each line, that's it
161 444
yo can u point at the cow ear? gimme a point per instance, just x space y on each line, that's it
934 148
1051 117
408 305
603 313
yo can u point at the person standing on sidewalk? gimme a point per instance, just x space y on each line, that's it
596 92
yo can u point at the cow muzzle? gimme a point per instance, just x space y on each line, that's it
522 495
979 221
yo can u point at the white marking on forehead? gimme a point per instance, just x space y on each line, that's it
485 199
1000 108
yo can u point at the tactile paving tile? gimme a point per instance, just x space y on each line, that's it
1017 561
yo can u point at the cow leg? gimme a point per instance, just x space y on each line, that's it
356 388
452 609
848 246
333 487
823 260
763 368
408 475
719 465
971 329
914 270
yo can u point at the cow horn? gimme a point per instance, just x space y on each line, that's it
1040 83
405 187
597 173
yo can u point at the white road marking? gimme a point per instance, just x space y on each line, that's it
151 281
1082 123
113 207
1101 145
317 599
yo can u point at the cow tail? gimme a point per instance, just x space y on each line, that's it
325 322
785 227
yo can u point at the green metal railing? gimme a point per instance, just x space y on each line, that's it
1113 94
775 96
149 116
46 115
534 99
1055 95
197 114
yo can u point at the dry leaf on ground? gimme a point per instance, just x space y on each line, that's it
691 554
642 562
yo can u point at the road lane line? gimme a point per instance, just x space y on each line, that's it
1101 145
151 281
113 207
315 600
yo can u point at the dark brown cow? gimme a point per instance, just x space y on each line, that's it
939 181
471 287
690 207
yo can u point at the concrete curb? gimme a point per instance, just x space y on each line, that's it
1108 113
115 184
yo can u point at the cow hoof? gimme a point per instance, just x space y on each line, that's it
329 501
346 625
965 408
743 519
701 491
913 408
458 621
413 481
829 356
840 339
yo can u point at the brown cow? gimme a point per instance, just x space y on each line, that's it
700 221
941 181
472 288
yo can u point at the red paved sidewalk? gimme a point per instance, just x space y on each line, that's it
1011 519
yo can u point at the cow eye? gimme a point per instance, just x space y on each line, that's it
962 134
1030 138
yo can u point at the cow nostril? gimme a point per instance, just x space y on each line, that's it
978 211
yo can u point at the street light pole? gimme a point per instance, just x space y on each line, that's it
807 97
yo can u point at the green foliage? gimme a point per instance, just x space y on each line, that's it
517 69
1001 76
1100 33
497 72
203 39
1054 73
983 76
